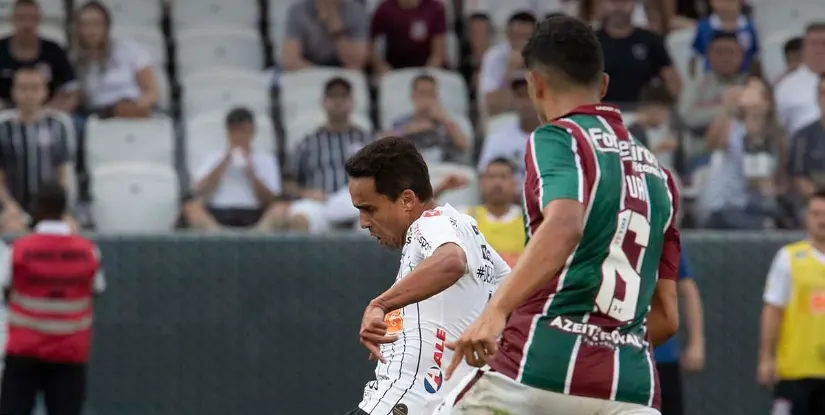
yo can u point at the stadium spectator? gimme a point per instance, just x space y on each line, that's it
652 126
501 62
480 33
317 177
633 56
25 49
499 219
326 33
34 148
807 156
662 17
700 104
430 127
117 75
234 186
792 50
413 33
796 98
727 16
748 148
509 140
594 11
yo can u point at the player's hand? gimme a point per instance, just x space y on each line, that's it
693 358
374 332
478 343
766 373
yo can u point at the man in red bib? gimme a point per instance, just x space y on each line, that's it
49 279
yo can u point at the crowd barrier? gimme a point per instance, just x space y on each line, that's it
214 325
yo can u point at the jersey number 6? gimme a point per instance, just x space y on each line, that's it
624 265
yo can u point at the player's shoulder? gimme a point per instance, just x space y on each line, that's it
796 249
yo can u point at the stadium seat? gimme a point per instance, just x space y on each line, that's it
150 38
679 45
206 133
468 195
134 197
495 122
453 57
772 53
198 99
307 122
164 87
278 16
218 47
132 13
774 16
305 89
229 13
396 87
121 140
49 31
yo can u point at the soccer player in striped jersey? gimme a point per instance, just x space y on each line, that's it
595 285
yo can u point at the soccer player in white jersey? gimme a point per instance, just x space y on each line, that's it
447 274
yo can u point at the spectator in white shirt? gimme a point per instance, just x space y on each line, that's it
795 94
117 76
509 140
500 62
233 187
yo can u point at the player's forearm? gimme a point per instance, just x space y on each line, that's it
663 318
694 315
433 275
544 256
771 323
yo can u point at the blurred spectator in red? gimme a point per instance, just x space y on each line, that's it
509 141
480 33
796 103
807 157
413 33
652 126
793 57
117 75
633 56
700 104
316 176
501 63
430 127
662 17
34 148
25 49
727 16
234 186
326 33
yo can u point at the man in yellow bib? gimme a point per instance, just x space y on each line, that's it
792 343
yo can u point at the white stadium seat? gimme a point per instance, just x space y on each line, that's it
305 89
468 195
307 122
132 12
206 133
396 88
278 20
150 38
679 45
135 197
49 31
237 78
121 140
220 89
453 57
773 16
229 13
772 54
218 47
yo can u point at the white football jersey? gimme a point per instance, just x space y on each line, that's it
412 380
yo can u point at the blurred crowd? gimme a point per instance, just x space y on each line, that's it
216 114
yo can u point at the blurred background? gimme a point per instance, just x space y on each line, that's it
204 142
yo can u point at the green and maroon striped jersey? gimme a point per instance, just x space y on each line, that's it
585 332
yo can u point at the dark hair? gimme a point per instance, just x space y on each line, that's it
239 115
502 161
724 35
395 165
424 77
337 82
565 46
49 202
655 93
817 194
554 14
792 45
815 27
522 17
517 83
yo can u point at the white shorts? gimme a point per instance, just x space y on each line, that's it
492 393
313 211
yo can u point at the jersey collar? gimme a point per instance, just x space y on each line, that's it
53 227
608 111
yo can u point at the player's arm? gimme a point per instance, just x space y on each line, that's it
437 272
663 318
776 296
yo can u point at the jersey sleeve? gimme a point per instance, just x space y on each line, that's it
672 243
431 232
778 284
559 158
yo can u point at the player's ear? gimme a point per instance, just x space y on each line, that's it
605 84
408 199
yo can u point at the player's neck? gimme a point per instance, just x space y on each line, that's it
819 245
563 104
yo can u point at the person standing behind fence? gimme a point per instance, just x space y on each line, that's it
792 343
49 279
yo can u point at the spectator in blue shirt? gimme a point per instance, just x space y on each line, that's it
727 16
668 361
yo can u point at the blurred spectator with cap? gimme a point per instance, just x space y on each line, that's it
413 33
326 33
235 185
316 175
501 61
633 56
25 49
796 98
727 16
807 156
509 140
